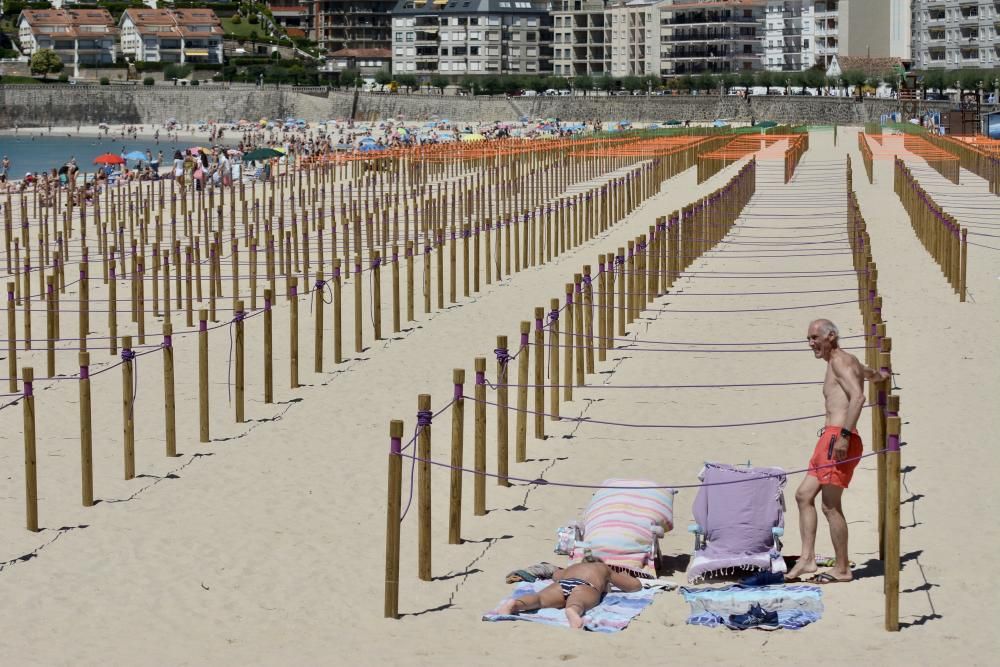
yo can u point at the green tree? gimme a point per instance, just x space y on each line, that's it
605 83
686 83
706 82
814 78
439 81
584 83
44 61
632 84
746 80
176 71
383 77
729 81
490 84
537 83
652 82
408 81
934 80
510 84
764 79
972 79
469 84
854 77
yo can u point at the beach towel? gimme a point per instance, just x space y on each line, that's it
797 605
736 509
612 615
622 526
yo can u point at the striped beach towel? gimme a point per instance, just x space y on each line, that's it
622 525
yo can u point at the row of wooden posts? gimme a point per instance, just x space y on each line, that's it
983 163
570 219
597 209
798 145
866 156
583 331
940 233
886 422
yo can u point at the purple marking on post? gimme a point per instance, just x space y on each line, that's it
892 443
395 446
480 377
524 338
203 324
569 298
28 392
458 391
84 372
168 340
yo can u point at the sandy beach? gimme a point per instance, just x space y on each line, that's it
266 545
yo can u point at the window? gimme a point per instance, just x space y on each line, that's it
399 50
515 53
399 37
445 36
515 37
493 50
445 67
410 22
475 66
411 67
397 21
494 20
493 36
476 35
410 51
531 51
409 36
532 23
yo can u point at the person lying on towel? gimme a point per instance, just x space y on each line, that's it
577 589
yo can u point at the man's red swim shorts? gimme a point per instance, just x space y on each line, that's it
824 468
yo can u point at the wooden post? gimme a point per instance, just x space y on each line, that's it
169 403
409 281
293 332
338 316
268 348
30 470
554 360
395 496
395 290
424 487
240 367
502 416
50 327
568 342
11 341
318 323
521 437
203 432
539 372
358 338
457 433
479 482
86 434
377 294
891 558
128 406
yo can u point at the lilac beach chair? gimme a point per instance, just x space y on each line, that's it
739 523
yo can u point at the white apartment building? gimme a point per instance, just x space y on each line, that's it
633 38
78 36
458 37
790 35
956 34
171 35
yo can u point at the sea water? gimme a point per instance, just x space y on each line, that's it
29 152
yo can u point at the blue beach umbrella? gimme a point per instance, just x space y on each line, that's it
136 155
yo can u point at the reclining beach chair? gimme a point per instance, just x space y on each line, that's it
739 519
623 525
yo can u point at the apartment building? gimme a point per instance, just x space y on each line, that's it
171 35
78 36
580 37
458 37
633 38
712 36
790 35
352 24
956 34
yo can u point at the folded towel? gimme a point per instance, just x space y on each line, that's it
797 605
612 615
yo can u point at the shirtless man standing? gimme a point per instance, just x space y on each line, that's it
836 455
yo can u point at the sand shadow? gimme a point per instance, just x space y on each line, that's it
670 564
455 575
34 553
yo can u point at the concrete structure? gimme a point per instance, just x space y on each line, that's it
789 35
38 106
352 24
956 34
874 29
581 37
634 34
711 36
297 20
171 35
78 36
458 37
368 62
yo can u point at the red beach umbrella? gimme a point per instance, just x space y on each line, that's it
109 158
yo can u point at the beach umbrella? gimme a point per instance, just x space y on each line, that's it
109 158
672 122
473 137
260 154
135 155
367 148
766 124
719 123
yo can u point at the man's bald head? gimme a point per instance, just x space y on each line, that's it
824 328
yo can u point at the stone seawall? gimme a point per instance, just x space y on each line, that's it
41 105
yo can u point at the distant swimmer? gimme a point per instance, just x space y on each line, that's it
836 454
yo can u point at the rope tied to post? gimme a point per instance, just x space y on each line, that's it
503 356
